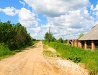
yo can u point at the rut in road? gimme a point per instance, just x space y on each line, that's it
30 62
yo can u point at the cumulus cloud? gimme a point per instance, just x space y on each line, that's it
36 29
27 18
23 3
54 8
34 35
73 23
67 18
94 10
11 11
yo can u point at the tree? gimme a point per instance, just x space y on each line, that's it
53 39
80 35
61 40
49 37
14 36
46 36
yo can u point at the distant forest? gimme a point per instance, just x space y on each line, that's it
14 36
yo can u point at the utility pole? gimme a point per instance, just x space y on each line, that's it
49 35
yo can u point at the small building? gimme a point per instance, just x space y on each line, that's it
73 42
90 39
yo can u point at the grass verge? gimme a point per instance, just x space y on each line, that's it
5 52
77 55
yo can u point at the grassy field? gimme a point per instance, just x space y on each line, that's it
77 55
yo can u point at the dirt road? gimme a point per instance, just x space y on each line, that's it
32 62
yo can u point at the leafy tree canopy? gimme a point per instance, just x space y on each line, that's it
14 36
81 35
49 37
61 40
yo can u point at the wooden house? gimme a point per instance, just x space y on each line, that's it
90 39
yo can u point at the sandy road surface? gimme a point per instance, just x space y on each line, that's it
30 62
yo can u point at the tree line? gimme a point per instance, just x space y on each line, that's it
14 36
50 38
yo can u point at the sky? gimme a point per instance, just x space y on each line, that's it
66 18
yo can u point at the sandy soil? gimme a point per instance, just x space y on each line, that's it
32 62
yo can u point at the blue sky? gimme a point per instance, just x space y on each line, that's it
66 18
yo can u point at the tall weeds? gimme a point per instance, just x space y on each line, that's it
77 55
5 51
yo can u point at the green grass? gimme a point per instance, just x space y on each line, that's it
5 52
34 42
48 53
77 55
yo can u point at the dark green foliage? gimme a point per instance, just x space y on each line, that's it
61 40
90 59
75 59
65 41
34 39
49 37
14 36
5 51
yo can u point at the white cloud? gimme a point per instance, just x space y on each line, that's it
73 23
68 18
96 22
11 11
23 3
94 10
92 7
27 18
36 29
34 35
54 8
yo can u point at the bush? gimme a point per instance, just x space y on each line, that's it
4 50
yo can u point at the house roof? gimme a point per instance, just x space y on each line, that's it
91 35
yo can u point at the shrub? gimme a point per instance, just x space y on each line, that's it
4 50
